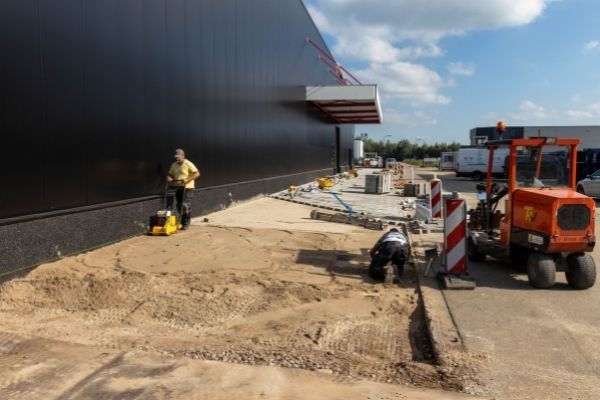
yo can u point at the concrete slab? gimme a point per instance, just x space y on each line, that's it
458 282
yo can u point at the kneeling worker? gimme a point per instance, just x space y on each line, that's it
392 246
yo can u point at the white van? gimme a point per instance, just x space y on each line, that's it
472 162
448 160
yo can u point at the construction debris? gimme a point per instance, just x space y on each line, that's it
352 219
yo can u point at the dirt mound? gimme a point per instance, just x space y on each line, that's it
197 300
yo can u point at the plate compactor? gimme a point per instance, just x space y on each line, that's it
545 223
165 222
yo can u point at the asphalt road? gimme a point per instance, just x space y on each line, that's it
540 344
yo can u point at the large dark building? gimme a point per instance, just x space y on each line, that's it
95 95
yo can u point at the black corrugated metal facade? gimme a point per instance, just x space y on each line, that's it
490 133
95 95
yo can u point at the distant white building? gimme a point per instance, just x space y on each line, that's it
359 149
589 135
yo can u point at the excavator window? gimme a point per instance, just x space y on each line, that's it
539 168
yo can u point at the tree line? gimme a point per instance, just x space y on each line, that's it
404 149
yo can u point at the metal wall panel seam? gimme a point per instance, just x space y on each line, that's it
42 128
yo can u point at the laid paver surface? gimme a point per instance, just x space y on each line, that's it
387 206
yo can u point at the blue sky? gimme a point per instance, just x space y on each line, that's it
446 66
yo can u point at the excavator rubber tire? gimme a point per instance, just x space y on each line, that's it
541 270
581 271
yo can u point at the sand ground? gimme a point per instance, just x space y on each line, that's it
260 301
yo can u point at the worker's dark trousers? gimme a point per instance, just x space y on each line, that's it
388 251
184 204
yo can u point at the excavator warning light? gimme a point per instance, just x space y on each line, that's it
500 127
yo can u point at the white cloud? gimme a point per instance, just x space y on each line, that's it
416 118
458 68
591 45
434 19
590 113
408 82
424 50
529 112
390 36
368 44
595 108
575 114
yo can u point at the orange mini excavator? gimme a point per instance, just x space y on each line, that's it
544 223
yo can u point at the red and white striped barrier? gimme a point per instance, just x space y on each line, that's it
455 236
436 198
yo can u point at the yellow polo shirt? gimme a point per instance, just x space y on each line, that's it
183 171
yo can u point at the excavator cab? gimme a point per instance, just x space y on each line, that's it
536 218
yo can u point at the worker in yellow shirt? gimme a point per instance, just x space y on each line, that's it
182 175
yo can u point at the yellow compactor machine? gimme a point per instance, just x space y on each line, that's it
165 222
